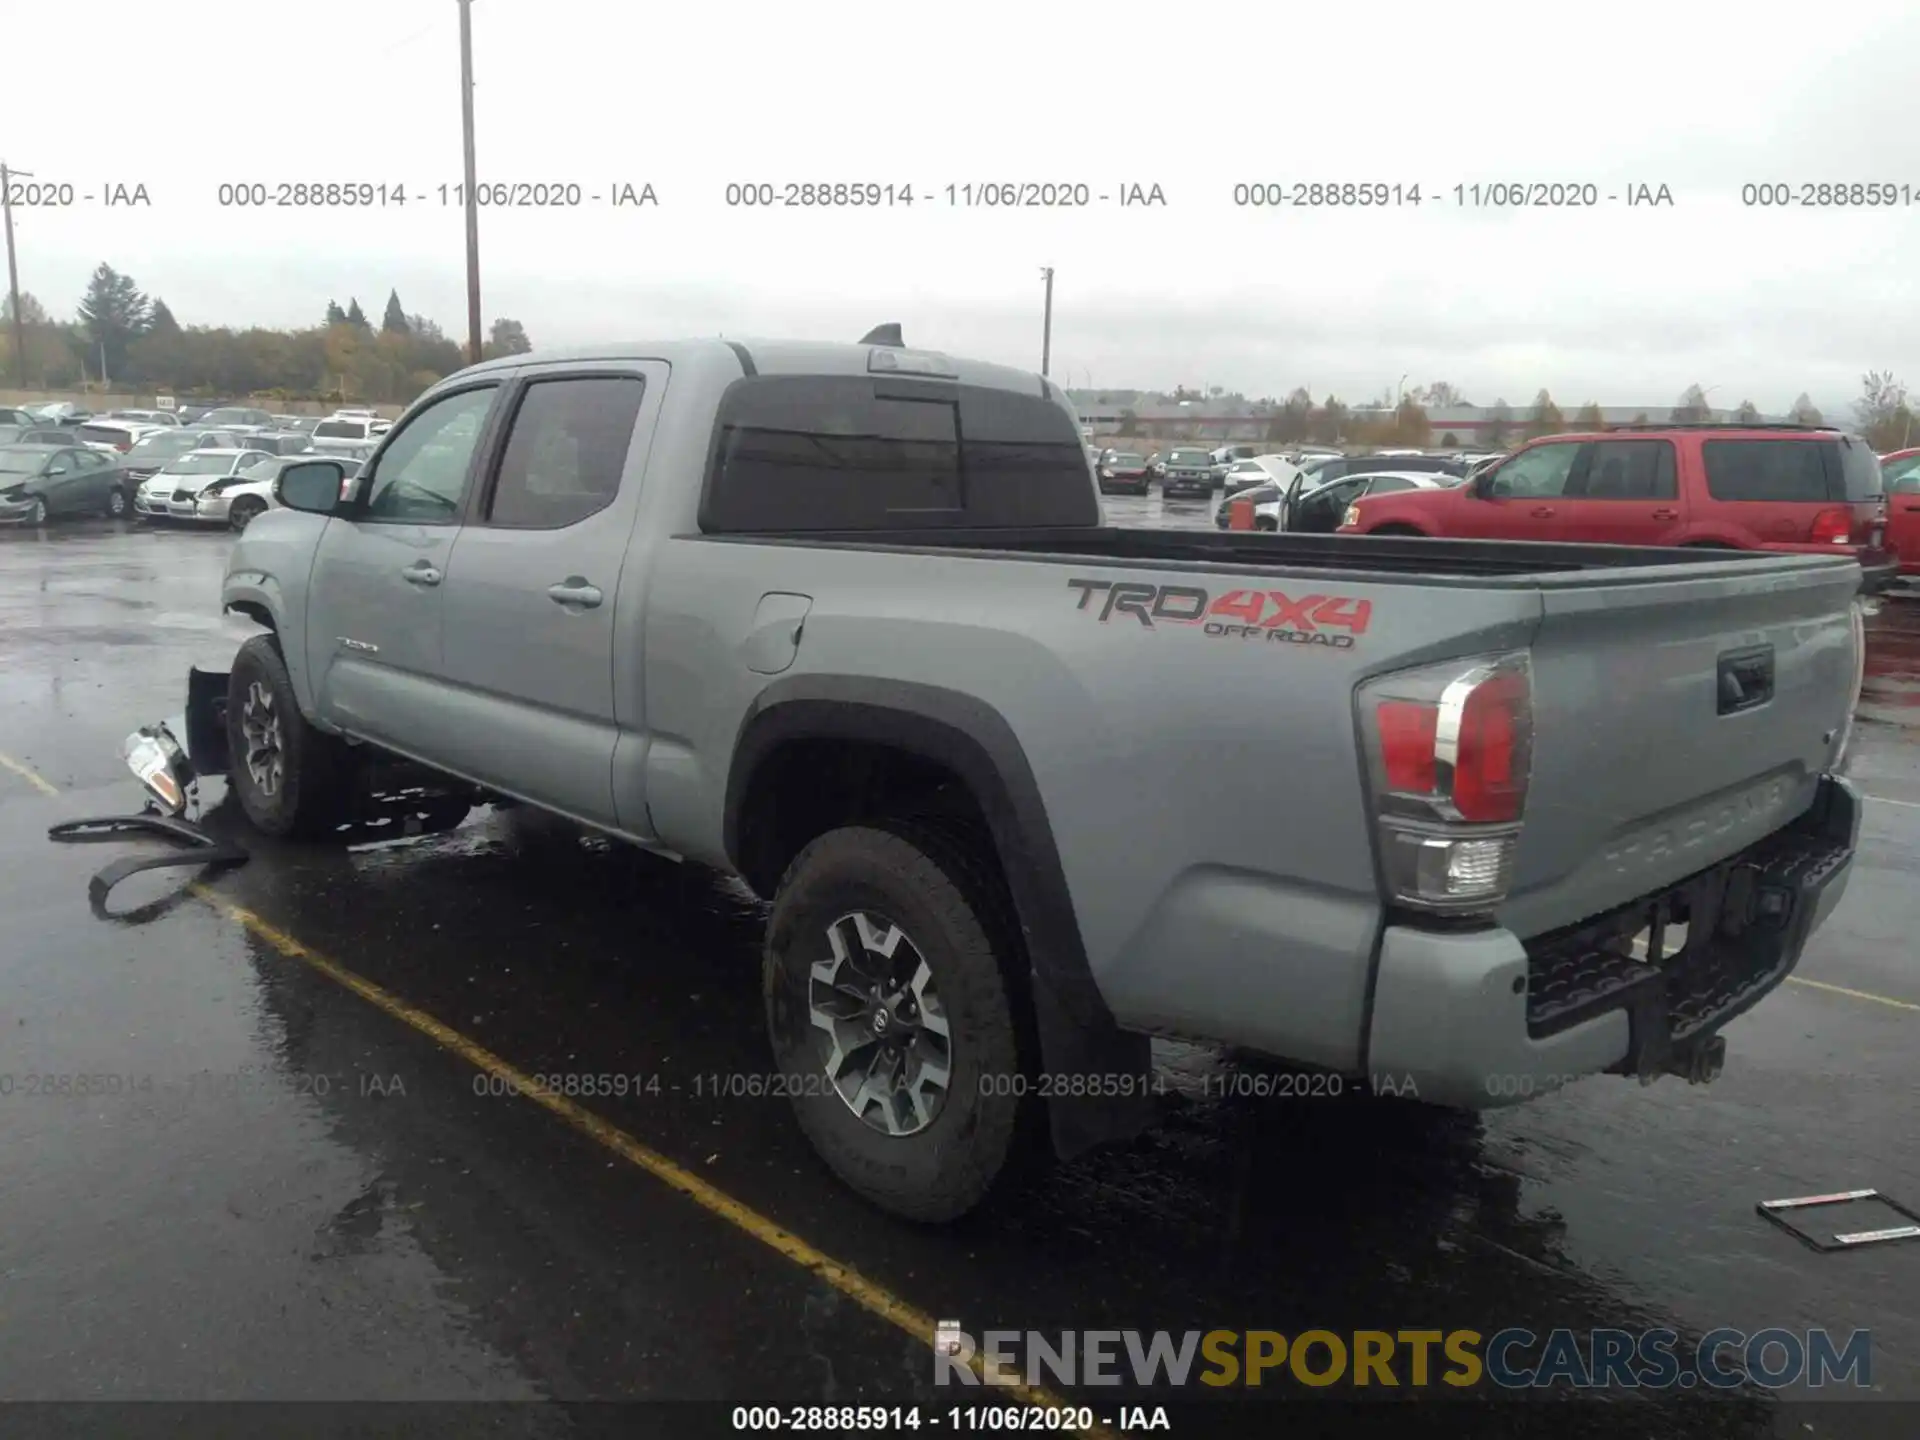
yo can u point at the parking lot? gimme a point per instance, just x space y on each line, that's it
303 1182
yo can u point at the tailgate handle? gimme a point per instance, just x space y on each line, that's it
1542 511
1745 679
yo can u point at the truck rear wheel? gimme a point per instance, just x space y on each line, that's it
891 1020
288 776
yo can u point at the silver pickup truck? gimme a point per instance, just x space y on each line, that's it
845 620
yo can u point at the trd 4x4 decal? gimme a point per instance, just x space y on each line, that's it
1330 620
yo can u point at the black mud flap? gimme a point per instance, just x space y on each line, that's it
1115 1103
206 849
206 721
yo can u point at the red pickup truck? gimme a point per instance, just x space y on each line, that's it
1791 488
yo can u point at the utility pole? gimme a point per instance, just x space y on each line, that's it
13 276
1046 333
473 202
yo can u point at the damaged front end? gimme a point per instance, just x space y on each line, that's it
169 771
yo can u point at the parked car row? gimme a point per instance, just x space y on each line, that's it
148 463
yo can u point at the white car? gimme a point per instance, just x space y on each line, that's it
1319 511
173 492
1260 470
237 500
114 436
351 435
165 419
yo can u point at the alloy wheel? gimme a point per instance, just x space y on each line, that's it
890 1053
260 725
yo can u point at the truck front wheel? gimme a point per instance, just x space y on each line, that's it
890 1018
287 775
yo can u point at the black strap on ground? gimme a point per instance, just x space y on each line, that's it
206 849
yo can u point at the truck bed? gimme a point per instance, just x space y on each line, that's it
1483 563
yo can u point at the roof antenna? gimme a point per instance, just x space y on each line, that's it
884 335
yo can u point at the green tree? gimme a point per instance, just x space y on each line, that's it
1748 413
1411 425
335 315
507 337
1804 411
1293 420
1590 418
1880 395
1692 409
1545 417
1449 441
1329 422
357 317
32 312
113 314
394 322
160 320
1499 424
1129 424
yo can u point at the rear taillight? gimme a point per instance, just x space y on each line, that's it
1449 753
123 446
1833 526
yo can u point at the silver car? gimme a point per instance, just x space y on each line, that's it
172 493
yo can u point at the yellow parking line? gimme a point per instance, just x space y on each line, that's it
869 1294
28 774
1856 994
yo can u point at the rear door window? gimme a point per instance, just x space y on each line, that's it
565 451
1772 470
1629 470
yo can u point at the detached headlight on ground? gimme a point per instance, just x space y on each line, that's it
162 766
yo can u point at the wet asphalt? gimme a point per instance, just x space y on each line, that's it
274 1189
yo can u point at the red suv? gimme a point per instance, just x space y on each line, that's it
1728 487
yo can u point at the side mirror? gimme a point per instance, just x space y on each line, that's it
315 486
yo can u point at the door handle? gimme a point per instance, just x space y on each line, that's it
575 593
1666 514
420 574
1910 507
1542 511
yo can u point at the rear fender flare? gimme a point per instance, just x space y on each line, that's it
1077 1031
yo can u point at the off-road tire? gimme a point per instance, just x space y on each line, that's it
312 796
930 885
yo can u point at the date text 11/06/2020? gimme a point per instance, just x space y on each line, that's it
395 195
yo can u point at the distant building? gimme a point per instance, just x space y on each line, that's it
1225 421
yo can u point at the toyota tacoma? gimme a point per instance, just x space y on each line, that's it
844 620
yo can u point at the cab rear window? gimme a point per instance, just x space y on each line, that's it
836 452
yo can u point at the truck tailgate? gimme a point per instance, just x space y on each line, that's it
1677 721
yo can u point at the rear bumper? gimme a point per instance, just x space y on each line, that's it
1484 1019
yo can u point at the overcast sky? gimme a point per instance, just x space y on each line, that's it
1618 304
